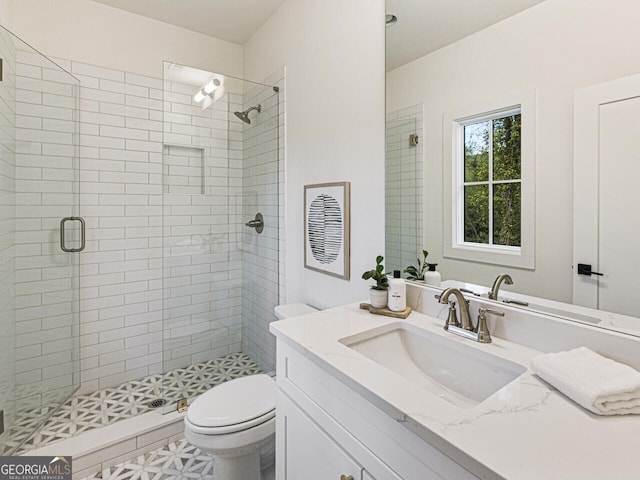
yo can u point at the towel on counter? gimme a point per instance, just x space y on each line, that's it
599 384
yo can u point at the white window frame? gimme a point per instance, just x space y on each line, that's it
453 201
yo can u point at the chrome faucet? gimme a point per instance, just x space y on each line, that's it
493 294
465 317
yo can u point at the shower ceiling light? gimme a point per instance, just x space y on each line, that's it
211 86
206 91
198 97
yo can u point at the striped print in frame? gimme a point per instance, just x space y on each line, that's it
326 228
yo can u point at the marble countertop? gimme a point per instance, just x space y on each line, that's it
526 430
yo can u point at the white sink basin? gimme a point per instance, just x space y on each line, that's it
459 374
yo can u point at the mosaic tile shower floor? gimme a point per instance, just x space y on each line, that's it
106 406
176 461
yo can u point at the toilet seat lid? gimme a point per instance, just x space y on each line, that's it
234 402
293 310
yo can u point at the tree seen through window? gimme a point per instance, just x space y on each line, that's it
492 181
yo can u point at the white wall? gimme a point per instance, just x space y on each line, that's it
334 55
555 47
6 13
96 34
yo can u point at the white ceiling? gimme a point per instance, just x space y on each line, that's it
231 20
426 25
423 25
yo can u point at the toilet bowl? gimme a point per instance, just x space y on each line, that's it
234 422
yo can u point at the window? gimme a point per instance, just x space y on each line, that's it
489 182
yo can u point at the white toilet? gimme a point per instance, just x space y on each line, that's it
235 421
293 310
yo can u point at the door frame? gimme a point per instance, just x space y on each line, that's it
586 178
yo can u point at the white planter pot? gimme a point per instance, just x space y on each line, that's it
378 298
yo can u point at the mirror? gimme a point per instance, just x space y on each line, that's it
439 62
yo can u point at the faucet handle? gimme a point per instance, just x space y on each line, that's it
483 332
452 319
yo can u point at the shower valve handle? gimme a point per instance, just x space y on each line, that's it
257 223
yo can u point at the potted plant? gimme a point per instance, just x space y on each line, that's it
377 292
416 272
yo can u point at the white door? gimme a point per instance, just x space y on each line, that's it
607 196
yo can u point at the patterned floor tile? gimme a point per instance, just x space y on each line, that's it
176 461
109 405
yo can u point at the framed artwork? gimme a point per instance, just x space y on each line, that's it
326 228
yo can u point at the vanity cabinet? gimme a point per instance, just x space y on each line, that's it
310 452
327 431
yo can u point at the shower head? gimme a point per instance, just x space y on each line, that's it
244 116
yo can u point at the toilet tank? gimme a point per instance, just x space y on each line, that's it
293 310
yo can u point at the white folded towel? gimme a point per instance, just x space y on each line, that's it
599 384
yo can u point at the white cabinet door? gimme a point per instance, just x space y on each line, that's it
606 173
310 454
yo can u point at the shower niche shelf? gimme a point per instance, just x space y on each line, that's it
183 170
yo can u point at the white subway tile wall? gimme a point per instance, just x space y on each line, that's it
7 231
404 179
46 186
263 152
182 219
202 268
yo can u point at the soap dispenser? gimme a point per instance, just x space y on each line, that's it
397 293
431 276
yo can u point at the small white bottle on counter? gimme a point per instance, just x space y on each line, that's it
397 293
431 276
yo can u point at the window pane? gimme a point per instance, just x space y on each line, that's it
476 214
476 152
506 148
506 214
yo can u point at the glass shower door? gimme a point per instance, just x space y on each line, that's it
402 226
220 277
41 235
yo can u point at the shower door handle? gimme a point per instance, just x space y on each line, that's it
82 234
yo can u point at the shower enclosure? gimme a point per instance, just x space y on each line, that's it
220 229
403 223
41 235
190 305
